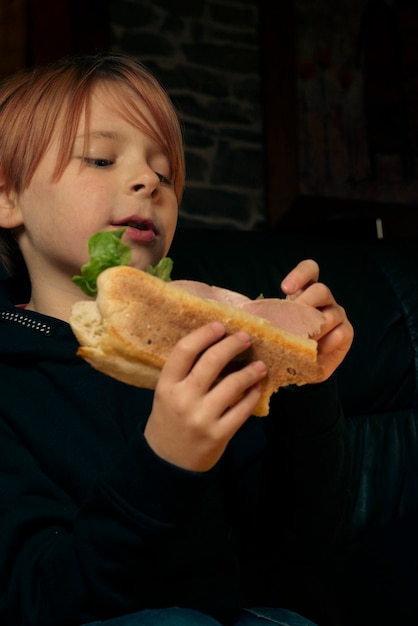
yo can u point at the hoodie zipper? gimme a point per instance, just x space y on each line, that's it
25 320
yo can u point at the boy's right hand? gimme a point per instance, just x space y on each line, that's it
192 419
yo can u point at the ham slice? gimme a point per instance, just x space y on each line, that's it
289 315
210 292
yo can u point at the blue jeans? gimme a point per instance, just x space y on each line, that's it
175 616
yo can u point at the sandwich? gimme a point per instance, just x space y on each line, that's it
136 317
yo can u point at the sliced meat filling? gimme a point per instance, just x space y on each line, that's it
289 315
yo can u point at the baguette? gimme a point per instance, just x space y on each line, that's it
135 321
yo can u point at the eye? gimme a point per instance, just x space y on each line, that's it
98 162
163 179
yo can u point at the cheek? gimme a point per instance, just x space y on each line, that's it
170 228
34 207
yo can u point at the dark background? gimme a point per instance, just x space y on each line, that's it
232 70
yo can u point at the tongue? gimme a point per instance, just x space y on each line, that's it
137 234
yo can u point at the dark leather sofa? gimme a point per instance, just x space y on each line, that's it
376 581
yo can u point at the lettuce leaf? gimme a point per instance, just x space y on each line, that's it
162 270
106 249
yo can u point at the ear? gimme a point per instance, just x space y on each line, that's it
10 214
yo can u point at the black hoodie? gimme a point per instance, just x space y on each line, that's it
93 524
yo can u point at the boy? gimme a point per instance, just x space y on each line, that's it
117 504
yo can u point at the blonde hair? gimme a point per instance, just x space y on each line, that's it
37 103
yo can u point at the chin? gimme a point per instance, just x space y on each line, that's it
141 261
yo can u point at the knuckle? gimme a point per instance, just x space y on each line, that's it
185 345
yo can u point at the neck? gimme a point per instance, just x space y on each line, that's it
55 300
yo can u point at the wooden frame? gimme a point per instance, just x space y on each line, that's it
39 31
279 106
61 27
287 210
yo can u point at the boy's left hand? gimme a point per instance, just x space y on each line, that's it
336 336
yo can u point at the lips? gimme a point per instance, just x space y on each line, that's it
139 230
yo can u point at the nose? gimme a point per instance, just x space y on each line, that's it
147 182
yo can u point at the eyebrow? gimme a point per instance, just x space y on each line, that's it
99 134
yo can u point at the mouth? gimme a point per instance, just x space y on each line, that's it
139 230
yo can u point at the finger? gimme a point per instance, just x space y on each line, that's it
333 347
215 359
317 295
184 354
239 390
304 274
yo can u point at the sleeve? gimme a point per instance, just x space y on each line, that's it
297 493
308 456
66 564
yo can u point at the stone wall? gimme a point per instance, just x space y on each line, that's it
206 54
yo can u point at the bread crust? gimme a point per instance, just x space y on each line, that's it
135 321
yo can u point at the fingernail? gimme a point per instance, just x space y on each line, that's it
244 337
260 366
288 285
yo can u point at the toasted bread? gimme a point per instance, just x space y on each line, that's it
135 321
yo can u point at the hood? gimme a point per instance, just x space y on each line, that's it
32 335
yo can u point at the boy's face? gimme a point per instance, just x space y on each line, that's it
123 180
